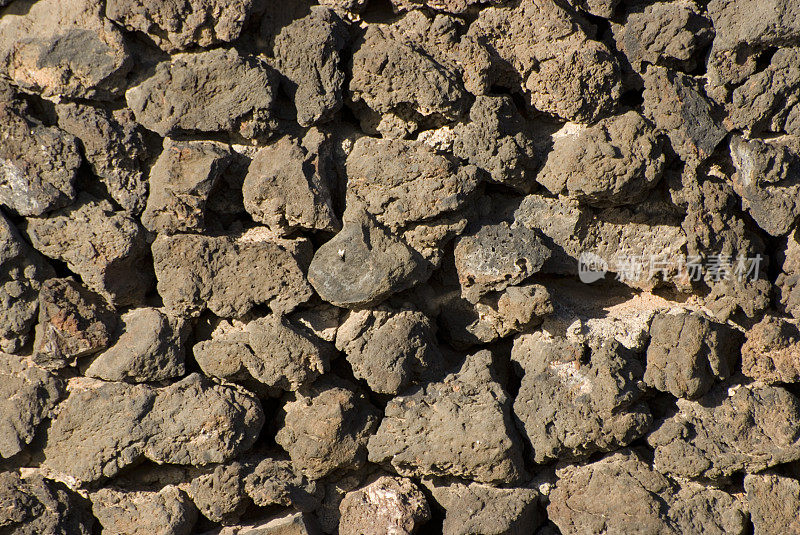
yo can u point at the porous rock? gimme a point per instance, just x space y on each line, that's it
767 101
787 281
538 49
774 502
498 140
394 75
771 352
214 91
688 353
219 494
768 180
38 163
387 506
103 427
308 54
23 271
274 481
615 161
326 428
496 257
183 24
168 511
34 505
625 240
115 147
460 426
105 247
670 34
287 524
73 322
622 493
675 103
67 49
401 182
741 428
270 350
180 181
479 508
148 346
390 349
230 274
27 395
576 400
289 185
496 315
446 6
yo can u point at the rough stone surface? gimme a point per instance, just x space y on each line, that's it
396 76
768 180
688 353
496 257
401 182
105 247
65 49
103 427
363 264
180 182
138 513
229 274
326 428
38 163
787 281
73 322
183 24
478 508
460 427
270 350
275 482
289 185
576 400
27 395
669 34
621 493
538 50
519 267
219 494
616 161
774 502
677 106
34 505
148 346
498 140
390 349
308 54
771 352
741 428
115 147
22 272
214 91
288 524
496 315
387 506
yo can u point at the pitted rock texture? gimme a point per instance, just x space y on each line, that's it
214 91
103 427
373 267
568 387
387 506
460 426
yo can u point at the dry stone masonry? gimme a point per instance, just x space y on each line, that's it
397 267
